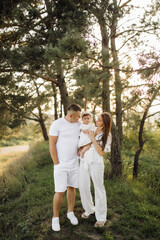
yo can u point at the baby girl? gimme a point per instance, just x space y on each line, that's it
85 141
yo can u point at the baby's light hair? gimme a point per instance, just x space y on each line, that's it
85 113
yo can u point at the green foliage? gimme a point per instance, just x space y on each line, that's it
87 85
133 209
130 141
21 135
149 167
151 177
68 46
14 180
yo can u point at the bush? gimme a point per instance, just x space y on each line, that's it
150 176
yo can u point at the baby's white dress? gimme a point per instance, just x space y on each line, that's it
84 138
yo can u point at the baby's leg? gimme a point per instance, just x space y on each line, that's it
84 149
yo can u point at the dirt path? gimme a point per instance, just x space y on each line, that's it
13 149
8 155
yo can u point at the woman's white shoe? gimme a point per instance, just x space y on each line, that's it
99 223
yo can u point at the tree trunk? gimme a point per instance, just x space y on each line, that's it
59 69
62 86
42 124
55 101
136 159
105 60
140 136
61 109
118 87
85 104
116 163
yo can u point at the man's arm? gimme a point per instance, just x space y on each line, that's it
52 148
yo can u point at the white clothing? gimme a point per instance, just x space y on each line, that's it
66 172
65 176
92 166
84 138
67 143
96 172
92 156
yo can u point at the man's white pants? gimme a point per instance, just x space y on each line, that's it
95 171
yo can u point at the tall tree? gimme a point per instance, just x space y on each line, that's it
151 98
37 37
151 75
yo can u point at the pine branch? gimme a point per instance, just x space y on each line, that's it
131 105
156 67
31 73
119 2
152 114
135 30
126 41
124 4
135 86
30 118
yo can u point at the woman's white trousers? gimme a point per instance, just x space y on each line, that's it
94 171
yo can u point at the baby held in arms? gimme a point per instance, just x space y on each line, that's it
85 141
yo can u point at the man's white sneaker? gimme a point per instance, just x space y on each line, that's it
55 224
72 218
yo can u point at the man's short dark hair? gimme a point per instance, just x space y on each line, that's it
74 107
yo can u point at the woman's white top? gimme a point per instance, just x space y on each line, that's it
91 155
84 138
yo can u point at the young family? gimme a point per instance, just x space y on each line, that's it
68 138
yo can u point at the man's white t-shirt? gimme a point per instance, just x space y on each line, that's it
67 143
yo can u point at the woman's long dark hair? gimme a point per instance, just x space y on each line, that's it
107 120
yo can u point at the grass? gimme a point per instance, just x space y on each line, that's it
26 195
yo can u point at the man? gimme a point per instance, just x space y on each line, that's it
63 141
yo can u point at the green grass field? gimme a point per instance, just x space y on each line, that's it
26 195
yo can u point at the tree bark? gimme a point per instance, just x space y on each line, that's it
85 104
62 86
118 87
105 60
116 163
42 124
55 101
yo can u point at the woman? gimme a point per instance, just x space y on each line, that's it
92 166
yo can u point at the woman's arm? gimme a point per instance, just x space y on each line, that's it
96 145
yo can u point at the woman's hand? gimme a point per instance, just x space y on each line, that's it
98 148
91 134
